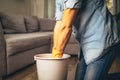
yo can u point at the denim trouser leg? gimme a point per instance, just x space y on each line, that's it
96 70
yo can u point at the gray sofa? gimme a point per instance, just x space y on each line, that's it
21 37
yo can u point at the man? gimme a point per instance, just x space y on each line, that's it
96 31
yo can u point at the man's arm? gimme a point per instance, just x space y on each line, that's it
63 32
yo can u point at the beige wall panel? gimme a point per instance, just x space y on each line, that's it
15 6
40 8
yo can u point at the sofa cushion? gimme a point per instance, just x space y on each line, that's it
46 24
31 23
12 23
16 43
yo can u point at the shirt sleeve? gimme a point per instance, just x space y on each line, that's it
64 4
72 4
59 9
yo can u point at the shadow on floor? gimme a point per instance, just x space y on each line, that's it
113 76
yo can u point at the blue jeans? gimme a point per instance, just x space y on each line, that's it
96 70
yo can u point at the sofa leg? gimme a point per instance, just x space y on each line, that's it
1 78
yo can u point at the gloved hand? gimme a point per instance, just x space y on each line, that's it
63 32
56 53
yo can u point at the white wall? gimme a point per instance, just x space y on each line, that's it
38 8
43 8
51 8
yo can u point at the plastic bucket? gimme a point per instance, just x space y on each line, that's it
51 68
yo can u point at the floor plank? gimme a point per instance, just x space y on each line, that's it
30 73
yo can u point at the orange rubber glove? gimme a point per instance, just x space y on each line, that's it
56 53
62 32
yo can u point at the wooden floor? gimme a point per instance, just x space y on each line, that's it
29 73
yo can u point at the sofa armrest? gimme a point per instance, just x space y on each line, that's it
2 53
46 24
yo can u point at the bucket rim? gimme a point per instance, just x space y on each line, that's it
47 56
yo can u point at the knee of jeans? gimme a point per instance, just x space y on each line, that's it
92 74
